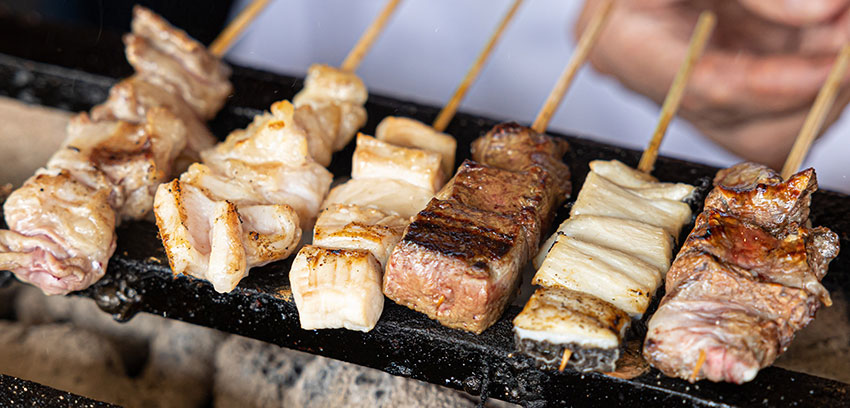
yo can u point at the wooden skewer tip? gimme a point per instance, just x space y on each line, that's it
817 115
564 359
355 56
228 36
698 366
699 39
449 110
440 301
585 44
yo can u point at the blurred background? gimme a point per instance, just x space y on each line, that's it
426 50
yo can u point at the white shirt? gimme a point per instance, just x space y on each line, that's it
428 46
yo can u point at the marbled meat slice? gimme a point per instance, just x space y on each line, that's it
457 264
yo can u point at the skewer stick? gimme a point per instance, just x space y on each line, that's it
585 43
564 359
230 33
817 115
440 301
702 32
355 56
450 109
698 366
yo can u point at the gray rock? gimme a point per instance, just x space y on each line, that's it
331 383
250 373
180 367
63 357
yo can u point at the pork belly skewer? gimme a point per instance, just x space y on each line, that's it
748 276
604 264
459 260
248 201
62 220
336 282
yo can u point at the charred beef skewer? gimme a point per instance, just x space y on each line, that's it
747 278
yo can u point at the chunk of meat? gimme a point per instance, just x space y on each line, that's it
134 159
513 147
611 275
773 206
354 227
337 288
798 260
62 222
375 159
168 58
521 195
61 232
747 278
413 133
740 324
390 195
338 96
131 99
218 240
457 264
600 196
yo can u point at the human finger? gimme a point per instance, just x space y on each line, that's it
796 12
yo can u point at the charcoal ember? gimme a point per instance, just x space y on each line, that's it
252 373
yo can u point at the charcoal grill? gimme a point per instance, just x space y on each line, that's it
75 73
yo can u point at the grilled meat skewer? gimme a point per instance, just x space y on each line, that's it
62 220
747 278
460 258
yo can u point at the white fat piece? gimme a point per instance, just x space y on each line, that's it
639 182
611 275
218 240
337 288
375 159
354 227
562 316
600 196
388 195
337 94
413 133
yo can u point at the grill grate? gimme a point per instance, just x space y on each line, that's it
404 342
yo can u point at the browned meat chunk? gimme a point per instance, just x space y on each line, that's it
766 202
459 261
457 264
514 147
167 57
747 278
521 195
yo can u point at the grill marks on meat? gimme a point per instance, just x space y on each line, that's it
459 260
362 222
62 221
615 249
747 278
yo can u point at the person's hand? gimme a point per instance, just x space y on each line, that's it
753 86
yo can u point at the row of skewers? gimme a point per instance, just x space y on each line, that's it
452 248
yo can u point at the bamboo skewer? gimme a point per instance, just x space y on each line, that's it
230 33
585 43
817 115
698 366
564 359
451 107
699 39
355 56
